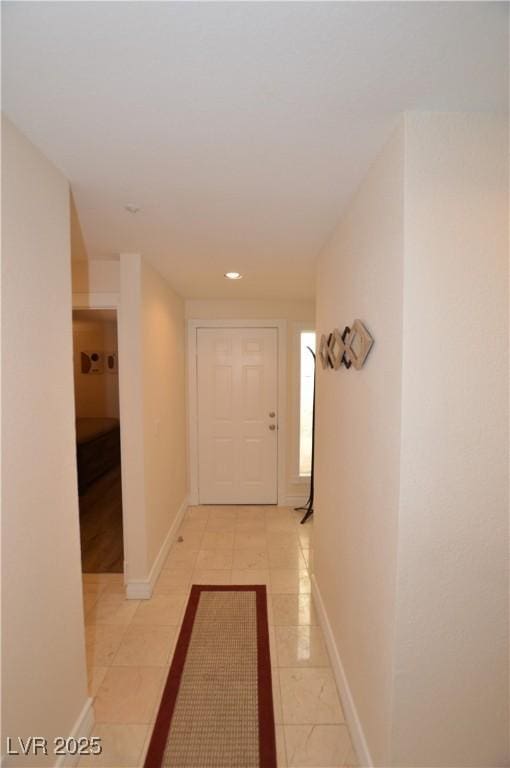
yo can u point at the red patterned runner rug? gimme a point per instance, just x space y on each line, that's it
217 706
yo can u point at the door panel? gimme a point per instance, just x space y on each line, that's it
223 392
236 391
252 393
252 467
223 460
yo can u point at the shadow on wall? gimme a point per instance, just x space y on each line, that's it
90 276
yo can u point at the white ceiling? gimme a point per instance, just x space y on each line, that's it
240 129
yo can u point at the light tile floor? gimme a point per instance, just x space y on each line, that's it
130 642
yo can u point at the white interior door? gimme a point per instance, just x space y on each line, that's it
237 397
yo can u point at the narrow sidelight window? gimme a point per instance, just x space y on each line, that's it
306 402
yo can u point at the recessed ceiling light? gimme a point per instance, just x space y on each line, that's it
233 275
132 208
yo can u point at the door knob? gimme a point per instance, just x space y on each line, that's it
272 427
272 414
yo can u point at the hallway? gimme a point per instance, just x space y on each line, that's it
130 643
229 188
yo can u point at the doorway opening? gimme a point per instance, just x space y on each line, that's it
96 391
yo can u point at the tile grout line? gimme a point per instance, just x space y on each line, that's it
294 543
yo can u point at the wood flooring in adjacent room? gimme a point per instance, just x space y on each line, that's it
101 525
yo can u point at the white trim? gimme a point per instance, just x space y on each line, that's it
192 411
138 590
95 300
81 729
301 480
281 327
141 589
351 714
295 501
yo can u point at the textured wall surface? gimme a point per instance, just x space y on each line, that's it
451 662
95 394
164 397
44 683
411 529
358 441
152 394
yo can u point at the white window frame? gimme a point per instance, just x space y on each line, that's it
295 393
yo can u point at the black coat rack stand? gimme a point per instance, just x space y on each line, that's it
308 507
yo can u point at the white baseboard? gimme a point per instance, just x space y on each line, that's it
356 730
81 729
141 589
287 501
295 501
138 589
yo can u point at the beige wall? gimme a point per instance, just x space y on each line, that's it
96 276
411 529
358 441
297 314
163 405
136 567
44 685
78 247
152 396
452 619
151 402
95 394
